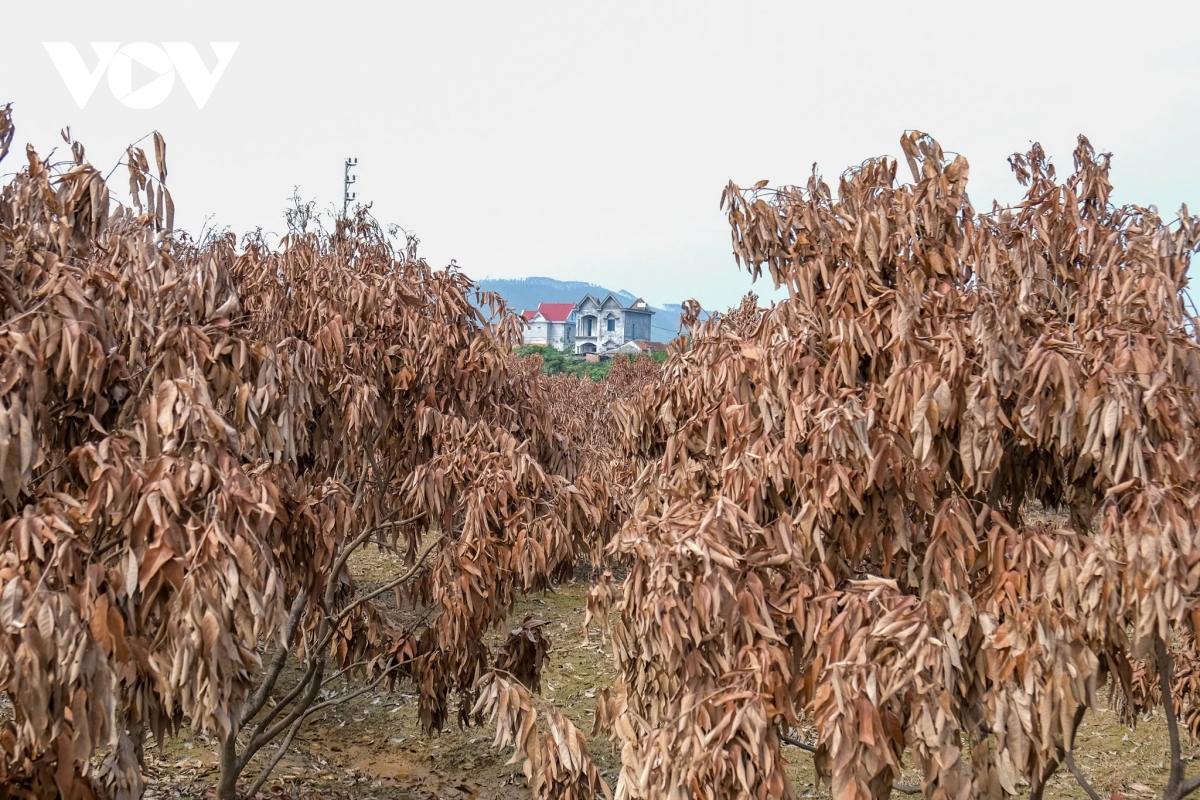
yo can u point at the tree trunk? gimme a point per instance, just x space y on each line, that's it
230 772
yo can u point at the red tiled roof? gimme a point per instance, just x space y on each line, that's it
529 314
649 346
556 312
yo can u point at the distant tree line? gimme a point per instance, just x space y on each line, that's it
556 362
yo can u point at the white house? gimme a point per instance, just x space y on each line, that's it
551 324
639 347
602 326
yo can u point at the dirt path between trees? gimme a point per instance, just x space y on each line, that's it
373 746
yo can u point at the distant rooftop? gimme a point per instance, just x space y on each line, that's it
639 305
551 312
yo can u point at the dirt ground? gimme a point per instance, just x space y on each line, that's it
373 747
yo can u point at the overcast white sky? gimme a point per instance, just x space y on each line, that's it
591 141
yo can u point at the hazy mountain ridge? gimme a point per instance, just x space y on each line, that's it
523 293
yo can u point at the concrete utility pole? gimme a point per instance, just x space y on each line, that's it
347 195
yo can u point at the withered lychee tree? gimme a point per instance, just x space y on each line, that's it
585 417
139 519
834 527
195 437
443 447
588 414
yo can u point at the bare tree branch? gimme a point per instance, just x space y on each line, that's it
794 742
296 691
1166 667
1188 786
259 698
337 701
1068 755
345 612
903 788
262 737
275 759
1082 781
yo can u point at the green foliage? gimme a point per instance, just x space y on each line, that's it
555 362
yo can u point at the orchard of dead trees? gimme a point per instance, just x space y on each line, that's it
811 526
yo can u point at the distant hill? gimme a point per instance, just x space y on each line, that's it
523 293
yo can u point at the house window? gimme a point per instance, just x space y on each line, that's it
589 326
612 325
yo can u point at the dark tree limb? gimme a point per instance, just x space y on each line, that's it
263 734
1056 760
794 742
1188 786
1052 764
1082 781
286 717
259 698
387 587
903 788
274 762
1166 668
299 723
290 697
374 684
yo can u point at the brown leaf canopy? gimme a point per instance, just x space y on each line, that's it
192 434
832 522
